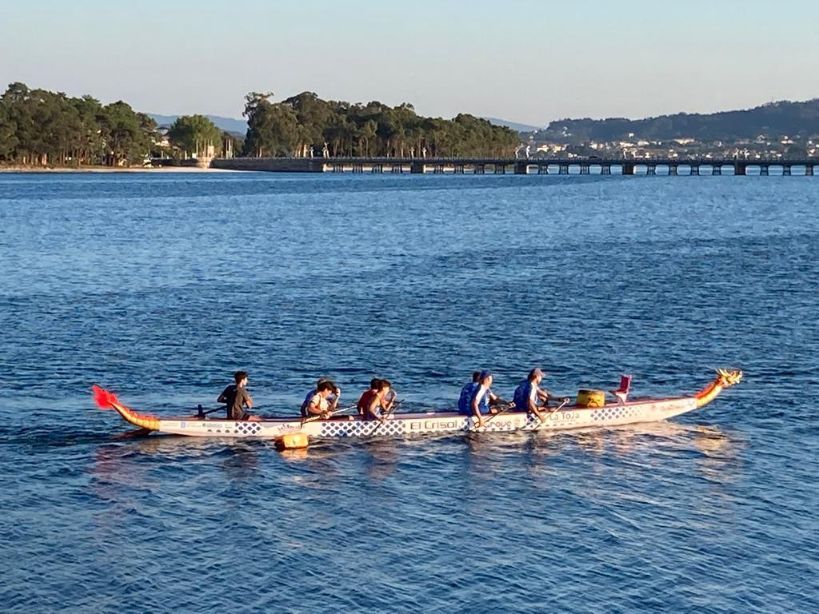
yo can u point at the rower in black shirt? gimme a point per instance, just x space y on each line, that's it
236 398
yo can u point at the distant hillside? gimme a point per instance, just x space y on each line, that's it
513 125
228 124
773 119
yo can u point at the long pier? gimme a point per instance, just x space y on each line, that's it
517 166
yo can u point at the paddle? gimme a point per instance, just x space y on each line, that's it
201 413
554 409
332 413
384 416
509 405
512 404
390 411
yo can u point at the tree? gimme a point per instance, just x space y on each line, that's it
126 134
8 137
195 135
89 144
19 118
272 128
313 116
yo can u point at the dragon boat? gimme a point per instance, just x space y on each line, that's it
588 411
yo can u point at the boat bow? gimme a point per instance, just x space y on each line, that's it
725 379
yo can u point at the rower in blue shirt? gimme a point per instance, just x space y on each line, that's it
466 394
482 397
528 394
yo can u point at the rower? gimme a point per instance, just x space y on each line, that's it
389 400
466 394
320 404
236 397
528 393
312 393
375 404
367 396
481 397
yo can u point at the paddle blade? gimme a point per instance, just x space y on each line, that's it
103 398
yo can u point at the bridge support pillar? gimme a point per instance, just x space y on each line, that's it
563 169
672 170
377 168
695 169
338 168
763 170
358 168
605 169
458 169
716 169
521 168
809 170
628 168
438 169
542 169
480 169
397 169
651 169
500 169
585 169
786 170
417 168
740 169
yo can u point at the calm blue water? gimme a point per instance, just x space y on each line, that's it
159 286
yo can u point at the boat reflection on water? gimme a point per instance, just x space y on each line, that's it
299 454
717 450
380 459
643 443
242 460
121 461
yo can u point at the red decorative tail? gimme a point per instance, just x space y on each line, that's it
103 398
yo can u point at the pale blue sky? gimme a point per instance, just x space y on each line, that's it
524 60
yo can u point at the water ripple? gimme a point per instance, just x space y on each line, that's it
161 286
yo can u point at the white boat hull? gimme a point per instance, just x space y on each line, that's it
433 422
402 425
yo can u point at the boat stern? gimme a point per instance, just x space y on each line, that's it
105 399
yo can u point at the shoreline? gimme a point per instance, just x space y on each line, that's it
109 169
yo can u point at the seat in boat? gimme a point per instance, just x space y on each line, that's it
625 386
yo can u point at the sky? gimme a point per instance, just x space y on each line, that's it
529 61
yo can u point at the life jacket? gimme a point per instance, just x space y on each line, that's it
306 403
465 400
522 393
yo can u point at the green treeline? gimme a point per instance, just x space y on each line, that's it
305 123
794 119
43 128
